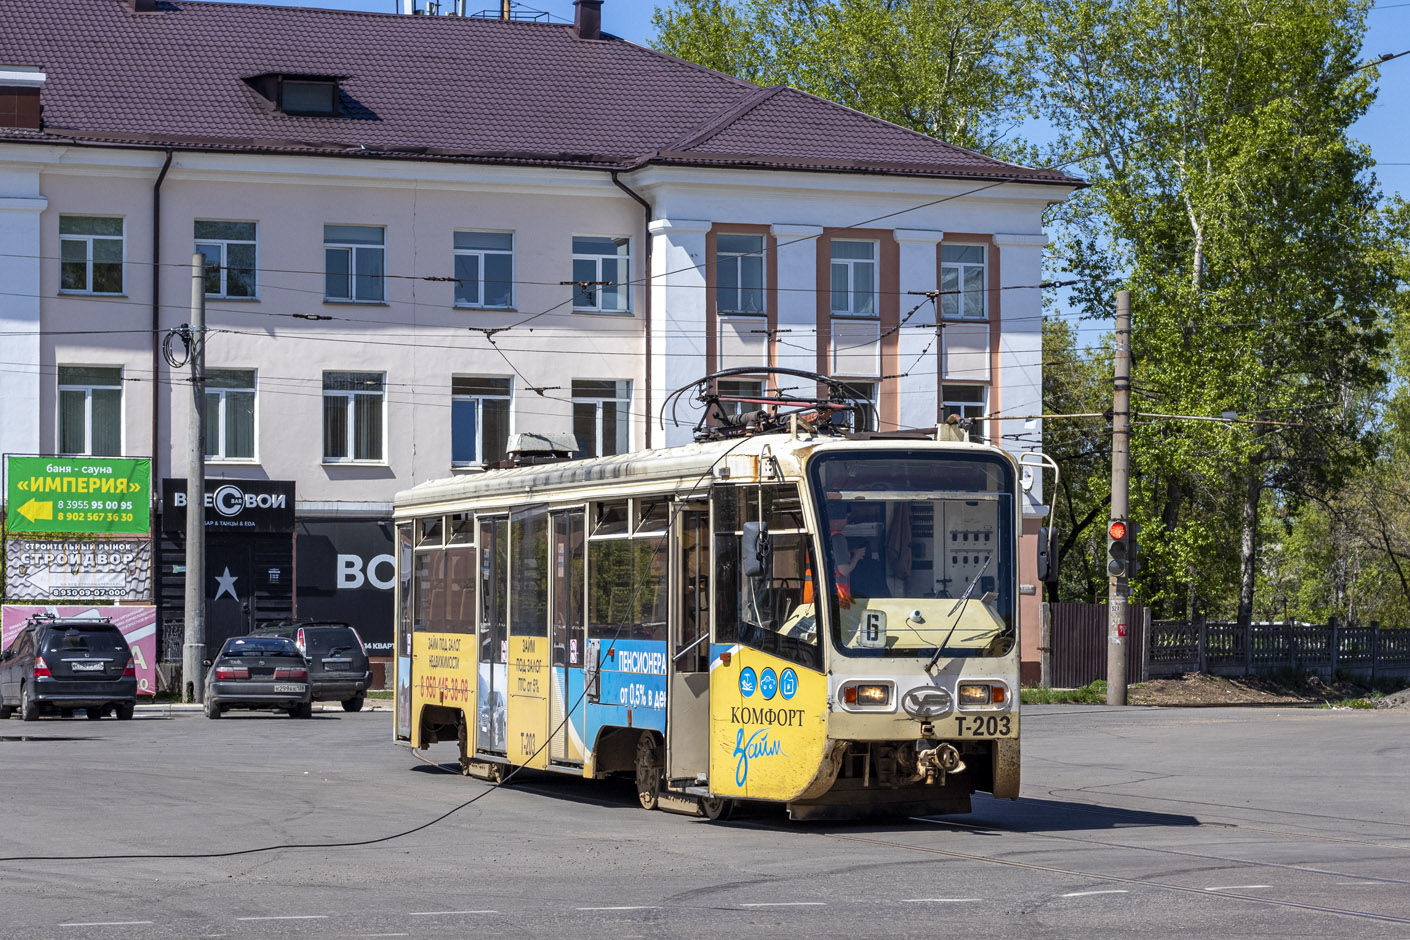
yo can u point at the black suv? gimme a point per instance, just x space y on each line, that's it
60 664
337 661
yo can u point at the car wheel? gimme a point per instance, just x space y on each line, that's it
29 708
5 710
66 713
94 713
213 710
304 711
126 710
354 704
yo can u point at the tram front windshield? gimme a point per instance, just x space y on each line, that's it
919 551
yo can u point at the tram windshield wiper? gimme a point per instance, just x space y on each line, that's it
960 606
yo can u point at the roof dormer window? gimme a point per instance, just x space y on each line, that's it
306 95
297 96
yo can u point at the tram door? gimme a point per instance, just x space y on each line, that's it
567 704
529 657
688 712
492 688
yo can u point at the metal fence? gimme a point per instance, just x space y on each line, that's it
1227 649
1073 645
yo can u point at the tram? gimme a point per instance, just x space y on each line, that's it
782 611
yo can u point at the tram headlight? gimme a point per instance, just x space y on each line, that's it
875 695
975 693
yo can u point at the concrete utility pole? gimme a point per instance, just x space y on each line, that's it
193 652
1118 539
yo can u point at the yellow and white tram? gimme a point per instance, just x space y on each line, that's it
823 622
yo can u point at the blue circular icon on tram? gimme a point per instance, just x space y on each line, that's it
788 683
768 683
748 682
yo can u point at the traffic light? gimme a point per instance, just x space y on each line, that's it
1133 564
1117 554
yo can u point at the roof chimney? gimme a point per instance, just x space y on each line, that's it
587 22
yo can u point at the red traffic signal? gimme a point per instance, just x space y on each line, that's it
1117 531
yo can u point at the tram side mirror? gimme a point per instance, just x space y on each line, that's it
1048 539
757 550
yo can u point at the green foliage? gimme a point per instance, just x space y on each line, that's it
953 71
1092 694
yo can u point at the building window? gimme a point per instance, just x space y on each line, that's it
230 414
352 415
90 411
740 388
867 417
602 416
962 282
854 279
354 263
739 273
966 401
308 97
484 269
601 274
229 250
479 420
90 253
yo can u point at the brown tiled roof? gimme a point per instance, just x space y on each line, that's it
434 88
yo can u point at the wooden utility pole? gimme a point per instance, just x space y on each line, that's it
1119 536
193 651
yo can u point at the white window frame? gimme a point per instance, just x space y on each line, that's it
88 389
625 284
349 395
220 456
87 242
353 249
946 403
851 265
224 245
735 258
624 399
964 301
874 399
480 253
479 399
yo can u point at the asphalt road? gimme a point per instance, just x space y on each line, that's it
1133 822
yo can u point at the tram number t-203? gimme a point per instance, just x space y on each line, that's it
983 726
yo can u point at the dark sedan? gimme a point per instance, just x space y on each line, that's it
259 672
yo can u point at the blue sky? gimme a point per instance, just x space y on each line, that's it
1383 128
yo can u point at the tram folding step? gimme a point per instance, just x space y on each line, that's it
698 791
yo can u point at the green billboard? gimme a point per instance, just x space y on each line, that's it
73 495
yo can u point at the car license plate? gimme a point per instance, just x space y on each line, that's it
86 667
288 688
338 665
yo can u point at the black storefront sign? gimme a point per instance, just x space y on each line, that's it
248 507
347 572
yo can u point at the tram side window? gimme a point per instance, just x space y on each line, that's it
528 589
460 590
430 592
568 562
627 594
773 613
494 597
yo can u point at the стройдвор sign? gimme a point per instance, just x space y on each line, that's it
78 495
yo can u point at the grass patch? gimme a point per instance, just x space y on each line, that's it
1093 694
1350 703
385 696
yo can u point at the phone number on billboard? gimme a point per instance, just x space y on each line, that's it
87 592
95 517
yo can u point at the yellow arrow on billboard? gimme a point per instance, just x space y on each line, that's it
34 509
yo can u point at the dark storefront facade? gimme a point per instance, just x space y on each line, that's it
266 562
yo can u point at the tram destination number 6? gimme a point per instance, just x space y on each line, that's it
983 726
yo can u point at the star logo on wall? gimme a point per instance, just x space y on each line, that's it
227 584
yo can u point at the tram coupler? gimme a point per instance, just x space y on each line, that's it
935 758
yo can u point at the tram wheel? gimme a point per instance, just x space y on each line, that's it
716 808
648 772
